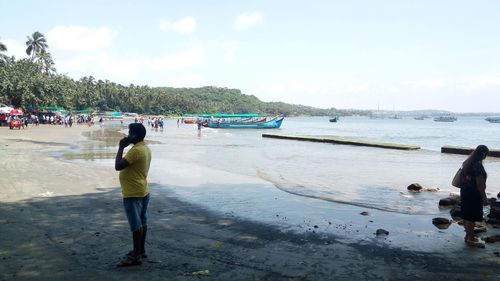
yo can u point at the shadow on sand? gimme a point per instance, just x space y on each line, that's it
83 237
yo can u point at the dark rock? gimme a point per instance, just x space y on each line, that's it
415 187
456 212
494 211
441 223
315 226
498 195
449 201
492 201
364 213
492 239
381 231
495 204
493 221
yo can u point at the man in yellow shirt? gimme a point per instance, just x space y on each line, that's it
134 168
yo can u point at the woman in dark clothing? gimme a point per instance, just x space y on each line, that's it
473 192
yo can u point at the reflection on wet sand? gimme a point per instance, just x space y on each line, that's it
99 145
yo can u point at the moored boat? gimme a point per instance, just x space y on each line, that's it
334 119
271 124
445 119
228 121
493 119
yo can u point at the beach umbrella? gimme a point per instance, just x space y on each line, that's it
16 111
5 109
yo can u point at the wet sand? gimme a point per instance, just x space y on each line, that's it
64 220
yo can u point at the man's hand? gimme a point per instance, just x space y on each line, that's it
120 162
124 142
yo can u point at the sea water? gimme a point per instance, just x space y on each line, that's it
363 176
302 185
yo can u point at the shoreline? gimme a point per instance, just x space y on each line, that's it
63 220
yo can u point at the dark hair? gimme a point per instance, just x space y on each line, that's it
138 130
476 156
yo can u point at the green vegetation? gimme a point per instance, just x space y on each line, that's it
34 82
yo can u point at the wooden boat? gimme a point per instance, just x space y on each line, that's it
189 121
493 119
271 124
228 121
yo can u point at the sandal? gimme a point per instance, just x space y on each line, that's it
131 254
129 261
473 243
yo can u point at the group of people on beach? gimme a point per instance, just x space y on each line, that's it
49 119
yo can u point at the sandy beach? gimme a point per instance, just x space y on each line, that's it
64 220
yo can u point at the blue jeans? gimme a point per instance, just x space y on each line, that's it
136 210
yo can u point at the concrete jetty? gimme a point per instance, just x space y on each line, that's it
467 151
335 140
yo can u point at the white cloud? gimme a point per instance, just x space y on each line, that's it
14 48
430 83
101 65
230 50
186 59
120 69
481 82
186 80
247 20
292 91
79 38
185 25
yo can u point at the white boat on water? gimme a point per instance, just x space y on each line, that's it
493 119
445 119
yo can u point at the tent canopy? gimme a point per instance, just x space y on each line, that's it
16 111
5 109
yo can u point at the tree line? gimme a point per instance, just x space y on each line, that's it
34 82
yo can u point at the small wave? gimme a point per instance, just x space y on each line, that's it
285 187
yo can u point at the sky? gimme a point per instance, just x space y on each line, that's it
362 54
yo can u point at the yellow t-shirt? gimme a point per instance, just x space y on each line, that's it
133 178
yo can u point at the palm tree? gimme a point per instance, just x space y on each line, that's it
3 48
36 43
46 63
3 58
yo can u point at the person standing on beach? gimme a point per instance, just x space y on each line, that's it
473 193
134 168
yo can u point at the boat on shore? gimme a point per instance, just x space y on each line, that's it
493 119
445 119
